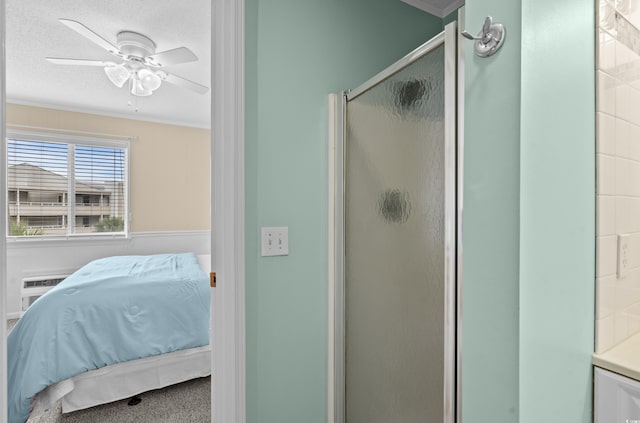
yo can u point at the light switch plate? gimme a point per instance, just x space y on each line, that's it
624 255
275 241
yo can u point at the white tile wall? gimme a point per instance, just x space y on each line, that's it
606 52
606 260
606 213
606 93
618 169
606 135
605 331
606 172
606 17
605 296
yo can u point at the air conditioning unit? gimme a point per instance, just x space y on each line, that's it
33 288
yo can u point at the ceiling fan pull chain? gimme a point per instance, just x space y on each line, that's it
132 96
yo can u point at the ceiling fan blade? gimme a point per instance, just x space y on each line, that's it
184 83
172 57
92 36
81 62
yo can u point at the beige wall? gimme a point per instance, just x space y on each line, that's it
169 165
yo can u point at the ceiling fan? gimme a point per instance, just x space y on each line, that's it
140 64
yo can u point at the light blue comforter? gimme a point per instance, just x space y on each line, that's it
110 311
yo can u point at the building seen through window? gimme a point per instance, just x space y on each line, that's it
59 189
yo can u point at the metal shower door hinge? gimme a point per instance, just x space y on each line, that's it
489 39
212 279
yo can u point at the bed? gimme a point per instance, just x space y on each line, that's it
115 328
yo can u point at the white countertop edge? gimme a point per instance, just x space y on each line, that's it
623 359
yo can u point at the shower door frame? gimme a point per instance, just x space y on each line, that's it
453 216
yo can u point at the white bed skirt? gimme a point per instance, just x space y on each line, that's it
124 380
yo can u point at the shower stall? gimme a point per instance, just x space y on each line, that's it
394 259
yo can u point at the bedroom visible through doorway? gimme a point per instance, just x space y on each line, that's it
190 237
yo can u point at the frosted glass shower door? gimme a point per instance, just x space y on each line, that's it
399 266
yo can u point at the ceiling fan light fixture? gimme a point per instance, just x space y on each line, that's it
149 80
138 89
117 74
140 61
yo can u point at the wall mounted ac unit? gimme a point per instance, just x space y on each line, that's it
33 288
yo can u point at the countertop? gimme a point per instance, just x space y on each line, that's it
623 359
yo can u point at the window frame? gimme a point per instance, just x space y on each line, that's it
73 140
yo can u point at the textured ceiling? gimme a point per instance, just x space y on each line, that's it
34 32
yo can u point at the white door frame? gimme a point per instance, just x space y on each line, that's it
3 226
227 226
227 211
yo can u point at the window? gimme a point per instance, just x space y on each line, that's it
65 185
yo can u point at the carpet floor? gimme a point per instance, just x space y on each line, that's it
187 402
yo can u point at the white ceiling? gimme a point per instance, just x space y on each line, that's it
34 32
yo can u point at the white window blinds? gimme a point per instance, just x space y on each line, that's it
64 188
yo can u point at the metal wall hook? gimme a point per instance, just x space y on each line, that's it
489 39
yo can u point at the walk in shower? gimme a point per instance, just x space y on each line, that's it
395 331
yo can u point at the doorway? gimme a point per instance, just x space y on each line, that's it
395 241
227 175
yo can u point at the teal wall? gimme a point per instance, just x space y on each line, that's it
491 221
528 300
297 52
529 202
557 203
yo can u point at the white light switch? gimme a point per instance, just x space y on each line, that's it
624 255
275 241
